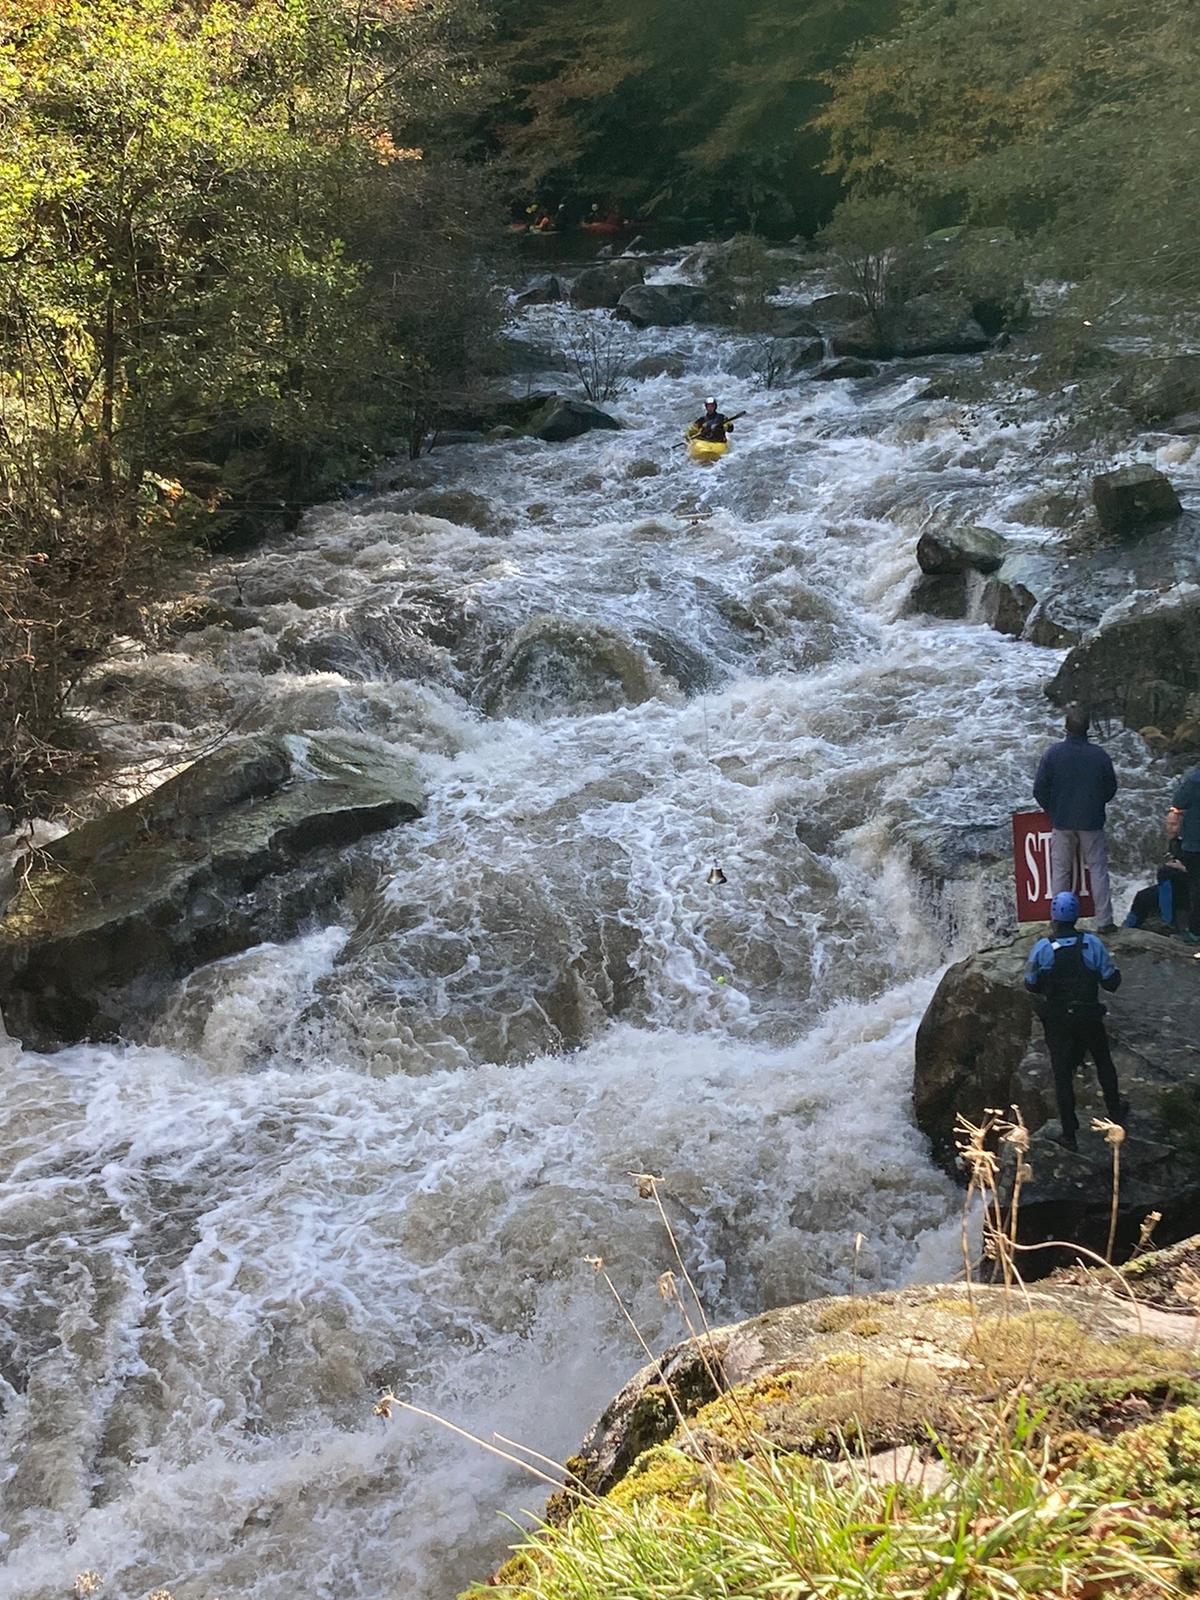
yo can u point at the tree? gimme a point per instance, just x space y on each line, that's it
1077 126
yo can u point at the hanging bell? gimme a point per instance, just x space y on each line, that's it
716 877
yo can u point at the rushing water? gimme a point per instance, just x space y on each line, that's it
378 1155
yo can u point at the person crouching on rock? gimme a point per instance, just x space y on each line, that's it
1064 975
1163 906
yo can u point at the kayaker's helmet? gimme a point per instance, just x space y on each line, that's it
710 404
1064 907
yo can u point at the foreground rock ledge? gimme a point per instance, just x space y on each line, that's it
979 1046
199 869
894 1379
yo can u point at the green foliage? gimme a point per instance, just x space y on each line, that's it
875 242
664 114
226 270
1073 125
1157 1465
996 1526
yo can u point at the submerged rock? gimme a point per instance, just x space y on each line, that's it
979 1047
555 666
1133 498
197 870
946 550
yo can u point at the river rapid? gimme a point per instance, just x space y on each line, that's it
378 1155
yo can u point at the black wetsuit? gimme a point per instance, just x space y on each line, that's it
1065 974
712 428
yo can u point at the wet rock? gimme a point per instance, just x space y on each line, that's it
501 410
657 367
669 305
199 612
1133 498
779 358
543 290
561 419
1187 423
448 436
839 307
643 467
946 596
556 666
978 1047
464 508
1141 665
675 658
1156 389
788 322
600 288
1006 605
197 870
847 367
945 550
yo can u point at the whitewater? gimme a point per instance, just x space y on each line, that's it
376 1157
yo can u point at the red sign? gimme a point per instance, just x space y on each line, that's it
1031 867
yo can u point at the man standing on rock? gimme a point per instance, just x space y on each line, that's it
1075 781
1065 974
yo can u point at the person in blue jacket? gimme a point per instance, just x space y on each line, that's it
1165 905
1075 781
1187 800
1064 975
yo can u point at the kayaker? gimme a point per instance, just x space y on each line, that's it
714 426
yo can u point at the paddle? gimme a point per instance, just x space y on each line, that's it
736 417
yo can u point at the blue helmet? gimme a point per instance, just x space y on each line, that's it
1064 907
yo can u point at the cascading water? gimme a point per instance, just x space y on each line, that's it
378 1155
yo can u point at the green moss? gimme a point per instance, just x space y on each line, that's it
1157 1465
848 1316
1048 1344
661 1474
1112 1405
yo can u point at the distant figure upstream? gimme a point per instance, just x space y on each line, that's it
1064 976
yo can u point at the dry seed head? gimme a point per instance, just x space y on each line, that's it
595 1262
667 1287
88 1583
383 1406
1113 1132
159 1594
1025 1172
1149 1222
646 1184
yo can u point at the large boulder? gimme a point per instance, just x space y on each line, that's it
560 419
669 305
978 1048
944 550
599 288
555 666
1133 498
1156 389
199 869
930 325
1142 664
841 306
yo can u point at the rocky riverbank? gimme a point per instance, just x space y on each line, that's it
848 1420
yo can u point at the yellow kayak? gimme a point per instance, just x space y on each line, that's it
707 450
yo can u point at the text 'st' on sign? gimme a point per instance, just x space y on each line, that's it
1031 868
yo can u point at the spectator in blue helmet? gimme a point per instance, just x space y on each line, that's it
1075 781
1187 800
1064 976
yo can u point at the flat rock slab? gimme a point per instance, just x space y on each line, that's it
197 870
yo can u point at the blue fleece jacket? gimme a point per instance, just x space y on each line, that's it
1187 798
1075 781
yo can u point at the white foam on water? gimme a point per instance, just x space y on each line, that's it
378 1154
